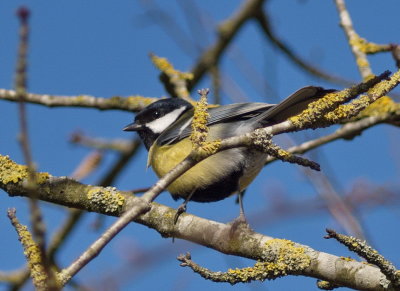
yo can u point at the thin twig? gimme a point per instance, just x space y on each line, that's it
371 255
263 21
167 22
353 38
342 212
14 277
281 258
396 54
88 165
37 223
226 32
347 131
175 82
119 145
59 237
33 254
216 84
130 103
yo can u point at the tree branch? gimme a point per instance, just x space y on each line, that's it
244 242
263 21
226 32
131 103
354 39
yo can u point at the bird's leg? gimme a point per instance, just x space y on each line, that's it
242 217
182 208
239 222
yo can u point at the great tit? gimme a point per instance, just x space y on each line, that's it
165 126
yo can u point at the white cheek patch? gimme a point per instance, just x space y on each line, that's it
160 124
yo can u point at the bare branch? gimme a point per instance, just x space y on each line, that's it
263 21
372 256
218 236
131 103
175 82
226 32
32 251
354 39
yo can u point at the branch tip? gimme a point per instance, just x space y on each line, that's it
361 248
23 14
326 285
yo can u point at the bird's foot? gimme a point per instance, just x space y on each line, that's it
181 209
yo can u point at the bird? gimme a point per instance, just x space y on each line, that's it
165 126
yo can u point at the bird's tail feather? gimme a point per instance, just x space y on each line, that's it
292 105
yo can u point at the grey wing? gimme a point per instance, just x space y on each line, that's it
293 104
238 111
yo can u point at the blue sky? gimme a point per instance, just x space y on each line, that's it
101 48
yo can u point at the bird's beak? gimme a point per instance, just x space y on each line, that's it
132 127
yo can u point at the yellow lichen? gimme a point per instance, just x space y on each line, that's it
164 66
347 259
108 199
32 253
202 147
31 250
208 148
326 285
11 172
282 258
80 98
386 85
330 109
199 124
284 154
381 106
176 80
316 109
347 111
63 277
136 100
368 47
362 62
291 256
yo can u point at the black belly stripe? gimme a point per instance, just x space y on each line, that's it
216 191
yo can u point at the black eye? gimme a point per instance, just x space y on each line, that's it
156 114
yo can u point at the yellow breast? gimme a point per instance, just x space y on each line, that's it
205 173
166 158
